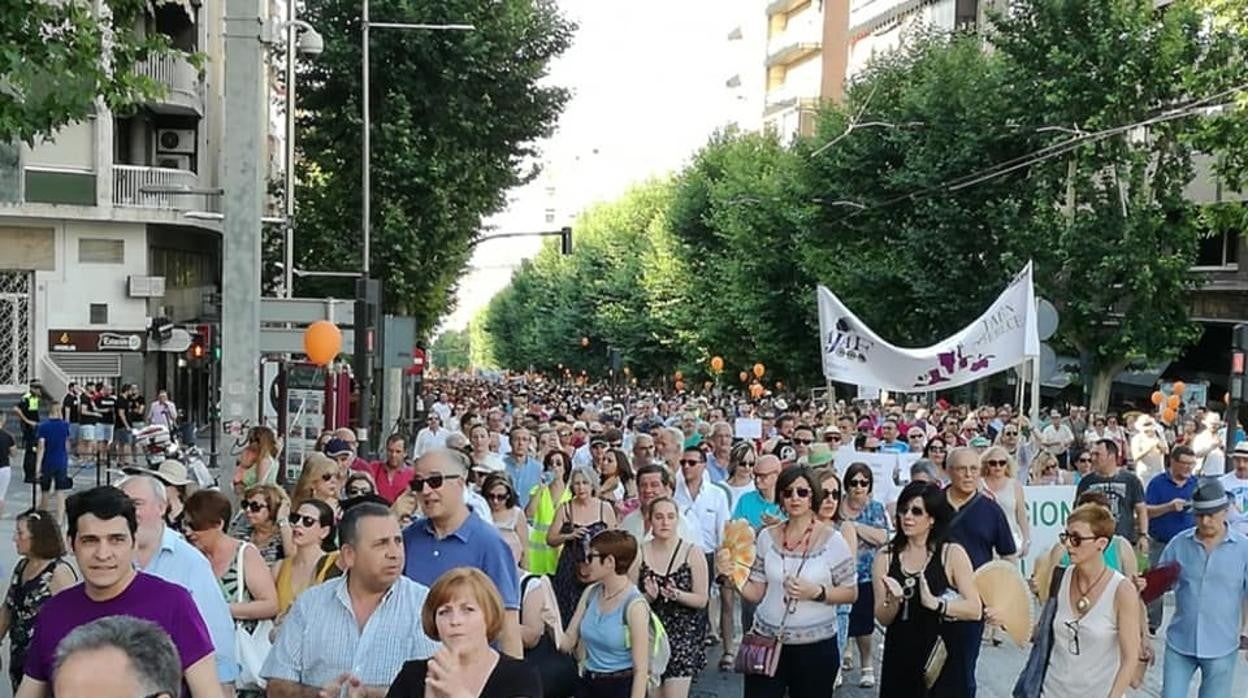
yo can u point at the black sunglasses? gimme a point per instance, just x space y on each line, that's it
689 462
859 482
255 507
359 491
297 519
804 442
799 492
494 497
834 494
915 511
435 481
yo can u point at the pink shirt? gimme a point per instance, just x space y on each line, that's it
390 483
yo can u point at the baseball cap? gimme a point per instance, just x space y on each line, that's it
336 447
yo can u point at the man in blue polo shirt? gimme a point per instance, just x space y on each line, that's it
1169 501
450 536
980 526
524 470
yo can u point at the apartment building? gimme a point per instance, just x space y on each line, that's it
802 65
115 221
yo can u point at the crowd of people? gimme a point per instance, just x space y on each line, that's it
535 539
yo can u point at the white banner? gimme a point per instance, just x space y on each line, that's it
1002 338
1047 509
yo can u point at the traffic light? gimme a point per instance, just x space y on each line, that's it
565 241
1239 356
197 351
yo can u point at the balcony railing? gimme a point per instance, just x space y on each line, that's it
181 79
802 36
150 187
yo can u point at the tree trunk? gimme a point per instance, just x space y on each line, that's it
1102 381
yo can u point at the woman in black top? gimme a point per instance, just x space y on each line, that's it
465 613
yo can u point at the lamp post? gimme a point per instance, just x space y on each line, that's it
366 289
310 43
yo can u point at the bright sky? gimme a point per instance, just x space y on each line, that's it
647 78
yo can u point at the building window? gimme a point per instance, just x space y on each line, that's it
1220 250
101 251
99 313
182 268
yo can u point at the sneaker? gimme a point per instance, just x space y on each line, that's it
868 678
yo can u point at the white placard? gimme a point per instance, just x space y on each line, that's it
1047 509
882 465
748 428
904 461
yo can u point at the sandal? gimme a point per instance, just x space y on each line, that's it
727 662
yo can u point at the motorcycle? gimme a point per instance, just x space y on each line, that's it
157 443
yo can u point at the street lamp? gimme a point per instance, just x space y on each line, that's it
364 288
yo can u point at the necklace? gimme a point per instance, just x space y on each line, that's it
1083 604
607 597
801 539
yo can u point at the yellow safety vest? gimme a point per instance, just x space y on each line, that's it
543 559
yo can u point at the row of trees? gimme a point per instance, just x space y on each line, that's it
946 168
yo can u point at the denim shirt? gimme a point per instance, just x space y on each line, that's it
1209 596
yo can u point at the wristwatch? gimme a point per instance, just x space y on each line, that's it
822 595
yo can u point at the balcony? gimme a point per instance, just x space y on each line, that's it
183 89
150 187
801 38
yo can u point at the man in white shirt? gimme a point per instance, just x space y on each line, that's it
654 481
432 437
1236 485
1057 437
700 500
163 411
442 407
1209 447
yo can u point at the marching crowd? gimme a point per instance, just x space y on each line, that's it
548 540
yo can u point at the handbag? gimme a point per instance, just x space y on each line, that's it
1031 681
759 654
935 662
251 647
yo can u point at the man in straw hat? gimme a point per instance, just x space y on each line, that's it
1236 485
1210 623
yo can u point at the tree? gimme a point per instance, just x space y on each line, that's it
58 58
452 350
454 118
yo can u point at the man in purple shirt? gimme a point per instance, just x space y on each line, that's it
102 524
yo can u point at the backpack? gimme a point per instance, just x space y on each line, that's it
660 644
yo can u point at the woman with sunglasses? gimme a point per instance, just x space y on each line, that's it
740 480
359 484
922 583
506 514
575 523
998 476
935 450
550 495
1096 632
262 521
315 558
802 569
1045 470
830 513
674 577
318 480
617 664
869 520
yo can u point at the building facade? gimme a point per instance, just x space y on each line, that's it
115 222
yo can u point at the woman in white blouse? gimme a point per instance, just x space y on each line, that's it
803 569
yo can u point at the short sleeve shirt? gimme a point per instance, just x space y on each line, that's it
981 528
476 543
1124 492
148 598
6 443
55 434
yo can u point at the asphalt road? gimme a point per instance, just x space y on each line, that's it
998 666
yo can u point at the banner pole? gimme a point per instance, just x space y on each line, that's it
1035 392
1020 391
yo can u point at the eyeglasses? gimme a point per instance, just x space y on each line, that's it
298 519
914 436
804 442
1074 540
435 481
796 492
1009 433
255 507
1083 459
936 449
617 444
994 463
1073 626
690 462
831 437
832 494
859 482
916 512
358 491
497 497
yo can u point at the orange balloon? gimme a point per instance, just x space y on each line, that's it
756 390
321 342
1168 415
717 363
744 376
1158 397
1173 402
759 370
1178 388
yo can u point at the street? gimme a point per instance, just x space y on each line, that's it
998 666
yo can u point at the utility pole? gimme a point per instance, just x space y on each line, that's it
242 203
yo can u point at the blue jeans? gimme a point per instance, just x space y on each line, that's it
1216 675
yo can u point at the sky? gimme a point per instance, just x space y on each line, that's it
648 83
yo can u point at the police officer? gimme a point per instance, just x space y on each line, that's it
27 411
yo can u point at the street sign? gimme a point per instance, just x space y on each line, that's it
278 340
305 311
398 336
418 362
179 340
91 340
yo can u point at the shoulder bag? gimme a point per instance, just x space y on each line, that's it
1031 680
251 646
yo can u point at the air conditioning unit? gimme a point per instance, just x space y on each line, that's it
174 162
175 140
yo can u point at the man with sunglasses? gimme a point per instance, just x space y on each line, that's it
1210 623
162 552
450 536
889 443
803 439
